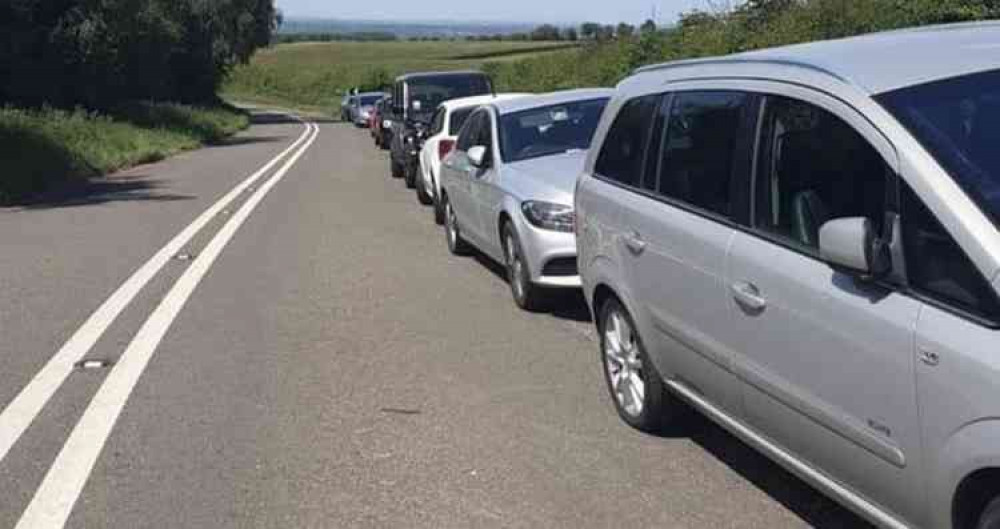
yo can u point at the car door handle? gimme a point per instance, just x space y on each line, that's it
634 243
930 358
748 296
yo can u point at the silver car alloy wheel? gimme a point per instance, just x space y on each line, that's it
516 267
623 363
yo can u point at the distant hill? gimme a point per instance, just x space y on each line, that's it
403 30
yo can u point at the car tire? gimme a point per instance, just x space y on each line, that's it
636 388
438 209
410 176
990 519
395 168
422 196
527 295
452 233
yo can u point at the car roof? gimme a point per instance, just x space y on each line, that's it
553 98
472 101
372 94
875 63
419 75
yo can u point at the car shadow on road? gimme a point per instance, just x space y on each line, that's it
275 118
104 190
807 503
236 141
567 304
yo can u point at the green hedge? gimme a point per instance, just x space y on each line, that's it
751 25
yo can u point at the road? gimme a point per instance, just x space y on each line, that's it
314 357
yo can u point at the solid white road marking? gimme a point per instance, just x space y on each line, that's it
21 411
54 500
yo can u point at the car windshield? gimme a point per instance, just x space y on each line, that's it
432 91
549 130
958 121
458 117
367 101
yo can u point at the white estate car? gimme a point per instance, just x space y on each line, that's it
447 121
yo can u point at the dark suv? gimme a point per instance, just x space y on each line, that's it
415 98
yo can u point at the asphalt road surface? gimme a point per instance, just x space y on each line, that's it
308 354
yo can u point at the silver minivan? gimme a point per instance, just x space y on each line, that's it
802 243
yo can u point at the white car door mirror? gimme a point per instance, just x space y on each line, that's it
417 105
477 155
851 243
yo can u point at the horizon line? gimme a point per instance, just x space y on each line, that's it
440 22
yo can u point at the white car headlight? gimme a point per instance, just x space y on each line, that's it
549 216
387 124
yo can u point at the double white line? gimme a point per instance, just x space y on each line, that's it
55 498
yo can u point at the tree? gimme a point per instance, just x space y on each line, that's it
605 33
571 35
98 53
625 31
760 12
590 30
649 26
546 32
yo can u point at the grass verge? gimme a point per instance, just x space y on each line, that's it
47 147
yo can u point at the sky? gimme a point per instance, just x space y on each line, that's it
533 11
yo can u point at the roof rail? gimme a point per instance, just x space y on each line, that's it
738 59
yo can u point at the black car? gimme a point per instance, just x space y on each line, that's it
415 97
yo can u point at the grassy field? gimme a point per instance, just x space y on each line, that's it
43 148
311 75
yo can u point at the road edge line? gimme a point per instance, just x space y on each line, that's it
54 500
21 412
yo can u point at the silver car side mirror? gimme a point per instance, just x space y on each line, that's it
477 155
851 243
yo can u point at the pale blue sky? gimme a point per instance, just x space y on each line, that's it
556 11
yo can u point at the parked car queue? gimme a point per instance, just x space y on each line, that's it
800 243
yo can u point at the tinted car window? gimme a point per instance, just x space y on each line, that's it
699 148
935 264
549 130
621 157
438 124
958 121
432 91
652 164
469 135
485 125
367 101
485 137
814 167
458 118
